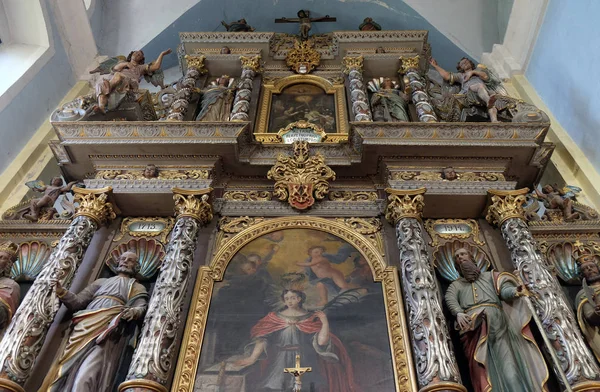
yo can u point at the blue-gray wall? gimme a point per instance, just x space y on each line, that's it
564 70
22 117
207 16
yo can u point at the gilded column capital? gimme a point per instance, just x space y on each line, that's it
404 204
353 63
95 204
252 62
193 203
196 62
505 205
408 63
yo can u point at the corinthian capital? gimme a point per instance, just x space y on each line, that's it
404 204
408 63
193 203
353 63
95 204
506 205
251 62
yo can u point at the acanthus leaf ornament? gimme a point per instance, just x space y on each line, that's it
404 204
301 179
506 205
353 63
303 58
252 62
193 203
95 204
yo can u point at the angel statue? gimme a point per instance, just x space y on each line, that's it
554 203
217 100
125 76
43 207
388 103
479 84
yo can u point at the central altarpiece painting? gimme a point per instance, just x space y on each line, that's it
348 217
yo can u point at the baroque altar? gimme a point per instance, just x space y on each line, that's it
340 196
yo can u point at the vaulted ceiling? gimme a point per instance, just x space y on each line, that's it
457 28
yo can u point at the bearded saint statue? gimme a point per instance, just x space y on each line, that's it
10 293
588 302
493 323
91 358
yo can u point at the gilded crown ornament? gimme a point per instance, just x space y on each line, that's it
95 204
9 248
404 204
300 178
193 203
505 205
303 58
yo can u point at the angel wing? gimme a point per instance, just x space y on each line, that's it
494 83
157 78
571 191
37 185
107 65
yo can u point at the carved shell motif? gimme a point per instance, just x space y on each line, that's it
444 259
31 258
150 256
561 259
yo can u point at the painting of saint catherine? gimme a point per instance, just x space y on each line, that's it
302 102
296 291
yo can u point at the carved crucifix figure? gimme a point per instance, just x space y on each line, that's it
297 372
305 21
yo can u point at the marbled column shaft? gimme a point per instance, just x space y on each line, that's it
432 349
417 84
551 306
154 355
241 103
27 330
358 94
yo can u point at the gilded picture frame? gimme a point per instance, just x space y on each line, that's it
263 134
190 351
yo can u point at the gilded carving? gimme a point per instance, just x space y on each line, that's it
353 63
506 205
404 204
196 62
193 203
195 328
94 204
368 227
147 227
248 195
252 62
352 195
408 63
300 179
452 232
303 58
193 174
437 176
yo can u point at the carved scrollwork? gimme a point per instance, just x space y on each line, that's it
368 227
193 174
300 179
248 195
352 195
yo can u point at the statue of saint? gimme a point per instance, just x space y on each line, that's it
51 194
477 83
10 293
126 76
240 25
588 302
101 328
387 102
217 100
369 24
494 329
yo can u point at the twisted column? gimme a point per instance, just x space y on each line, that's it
27 330
184 88
412 78
432 349
353 67
558 321
153 357
241 103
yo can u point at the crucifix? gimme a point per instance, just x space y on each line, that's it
297 372
305 20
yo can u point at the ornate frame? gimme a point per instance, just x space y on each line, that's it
189 354
341 117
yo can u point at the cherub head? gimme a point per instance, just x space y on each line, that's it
150 171
225 50
465 65
448 173
316 251
465 265
57 181
548 189
137 56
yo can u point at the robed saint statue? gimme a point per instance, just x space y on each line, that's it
493 322
102 311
